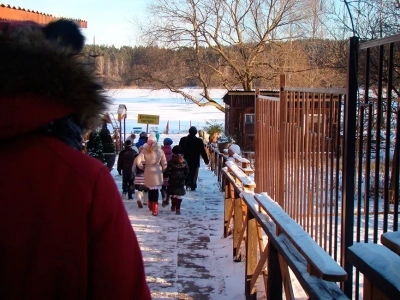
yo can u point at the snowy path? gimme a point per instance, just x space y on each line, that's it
185 255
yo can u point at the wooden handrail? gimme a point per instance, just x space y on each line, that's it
320 263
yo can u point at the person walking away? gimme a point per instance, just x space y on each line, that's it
193 148
132 138
124 168
65 233
177 171
152 160
168 155
142 139
140 187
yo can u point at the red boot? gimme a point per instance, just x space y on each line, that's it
150 205
173 203
155 208
178 206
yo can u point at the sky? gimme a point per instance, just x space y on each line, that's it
109 22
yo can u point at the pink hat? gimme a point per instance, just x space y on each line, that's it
152 138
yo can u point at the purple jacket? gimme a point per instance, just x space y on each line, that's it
168 151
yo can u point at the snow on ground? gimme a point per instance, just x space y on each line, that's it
186 256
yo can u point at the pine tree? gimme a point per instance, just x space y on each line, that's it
95 146
106 140
108 146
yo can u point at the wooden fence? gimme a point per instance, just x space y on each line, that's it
250 217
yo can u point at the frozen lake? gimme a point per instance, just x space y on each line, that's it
171 107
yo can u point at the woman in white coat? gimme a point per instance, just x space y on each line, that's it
152 160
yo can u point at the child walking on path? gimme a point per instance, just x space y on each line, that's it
177 170
168 155
124 168
152 160
140 186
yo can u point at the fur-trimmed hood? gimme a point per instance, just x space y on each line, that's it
43 79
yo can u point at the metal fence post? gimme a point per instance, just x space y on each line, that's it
350 122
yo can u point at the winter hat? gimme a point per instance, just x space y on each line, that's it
192 130
128 143
234 148
152 138
142 135
167 142
62 32
177 150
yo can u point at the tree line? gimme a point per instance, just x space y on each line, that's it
243 44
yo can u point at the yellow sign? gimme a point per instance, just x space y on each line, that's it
149 119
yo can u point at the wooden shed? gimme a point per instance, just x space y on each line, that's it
240 116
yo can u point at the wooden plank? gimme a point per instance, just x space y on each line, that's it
260 268
237 225
251 256
380 265
240 175
316 288
320 263
392 241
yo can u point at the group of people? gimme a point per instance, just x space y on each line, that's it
151 169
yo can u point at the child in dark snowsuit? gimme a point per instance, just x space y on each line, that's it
177 170
124 168
168 155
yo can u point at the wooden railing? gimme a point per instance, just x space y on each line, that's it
250 217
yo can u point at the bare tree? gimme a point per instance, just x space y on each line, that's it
236 34
367 19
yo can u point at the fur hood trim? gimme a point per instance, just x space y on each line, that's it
33 66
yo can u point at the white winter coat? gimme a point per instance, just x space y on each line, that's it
152 160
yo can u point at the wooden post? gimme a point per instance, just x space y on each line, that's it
227 209
282 136
237 224
251 256
274 290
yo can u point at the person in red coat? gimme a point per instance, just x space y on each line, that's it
64 231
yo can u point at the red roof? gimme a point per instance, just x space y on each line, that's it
8 12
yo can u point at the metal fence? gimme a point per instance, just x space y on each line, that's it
330 157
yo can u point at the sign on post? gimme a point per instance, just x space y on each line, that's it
121 112
148 119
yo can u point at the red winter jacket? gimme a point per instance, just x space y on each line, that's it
64 231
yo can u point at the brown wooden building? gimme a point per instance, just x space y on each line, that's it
15 13
240 116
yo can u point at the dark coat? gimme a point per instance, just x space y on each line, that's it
65 233
177 170
125 160
193 148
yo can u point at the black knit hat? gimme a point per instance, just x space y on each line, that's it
128 143
192 130
177 150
